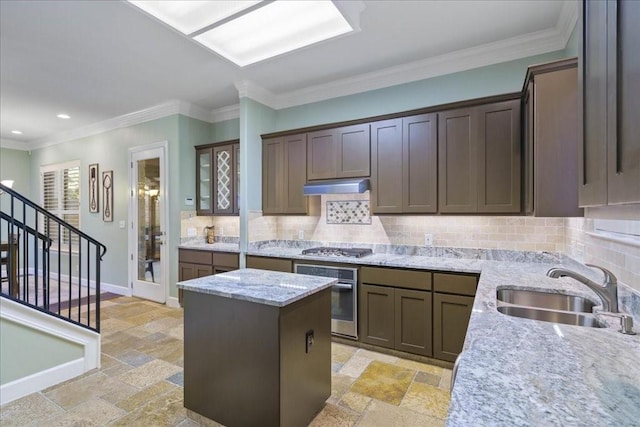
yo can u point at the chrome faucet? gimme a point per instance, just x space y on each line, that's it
608 291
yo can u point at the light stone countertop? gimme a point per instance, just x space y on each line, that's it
519 372
201 245
260 286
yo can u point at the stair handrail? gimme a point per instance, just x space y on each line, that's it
28 229
51 216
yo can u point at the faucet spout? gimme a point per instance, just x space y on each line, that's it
608 291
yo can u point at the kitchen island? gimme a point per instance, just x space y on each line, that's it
257 347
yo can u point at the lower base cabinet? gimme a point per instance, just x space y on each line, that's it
193 264
268 263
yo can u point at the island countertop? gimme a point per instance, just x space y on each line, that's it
260 286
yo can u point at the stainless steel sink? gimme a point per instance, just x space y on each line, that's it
541 299
577 319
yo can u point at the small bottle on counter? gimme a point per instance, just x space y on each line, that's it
210 230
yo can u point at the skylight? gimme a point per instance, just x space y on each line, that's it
245 35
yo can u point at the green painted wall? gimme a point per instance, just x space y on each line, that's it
479 82
571 49
111 150
23 350
192 132
226 130
15 165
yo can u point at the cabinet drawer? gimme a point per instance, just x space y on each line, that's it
409 279
195 257
273 264
455 283
222 259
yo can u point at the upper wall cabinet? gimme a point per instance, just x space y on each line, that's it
550 114
217 175
479 159
609 89
338 153
284 174
404 151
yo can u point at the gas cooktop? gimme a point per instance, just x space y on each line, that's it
340 252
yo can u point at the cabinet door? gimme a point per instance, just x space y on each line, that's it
272 176
203 181
420 164
413 321
451 315
592 105
353 151
203 270
527 144
186 271
295 174
377 315
458 160
321 154
623 89
386 166
499 157
223 179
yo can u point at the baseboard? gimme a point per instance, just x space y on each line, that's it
26 316
173 302
41 380
104 287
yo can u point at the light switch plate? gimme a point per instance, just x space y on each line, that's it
122 224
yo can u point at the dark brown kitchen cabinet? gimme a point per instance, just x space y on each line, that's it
550 141
338 153
268 263
452 303
395 309
193 264
404 151
377 318
284 174
412 312
217 178
479 159
609 89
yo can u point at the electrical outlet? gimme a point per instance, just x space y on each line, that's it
301 234
428 239
309 340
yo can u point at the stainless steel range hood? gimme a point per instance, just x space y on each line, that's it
337 186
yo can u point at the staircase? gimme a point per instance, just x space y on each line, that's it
48 264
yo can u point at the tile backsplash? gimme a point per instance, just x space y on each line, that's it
348 212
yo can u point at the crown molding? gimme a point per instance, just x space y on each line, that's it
152 113
248 89
14 145
222 114
488 54
567 20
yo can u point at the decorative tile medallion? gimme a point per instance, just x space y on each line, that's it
348 212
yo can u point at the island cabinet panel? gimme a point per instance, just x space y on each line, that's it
404 152
377 315
338 153
413 321
272 264
609 89
499 157
458 161
551 140
246 364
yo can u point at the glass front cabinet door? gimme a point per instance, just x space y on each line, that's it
217 171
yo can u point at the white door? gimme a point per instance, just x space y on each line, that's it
148 223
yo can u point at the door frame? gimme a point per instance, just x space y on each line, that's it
164 223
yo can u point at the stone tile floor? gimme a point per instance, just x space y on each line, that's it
140 382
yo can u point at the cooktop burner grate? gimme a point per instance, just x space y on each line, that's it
339 252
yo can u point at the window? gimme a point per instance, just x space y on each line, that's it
61 197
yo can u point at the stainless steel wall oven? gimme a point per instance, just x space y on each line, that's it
344 296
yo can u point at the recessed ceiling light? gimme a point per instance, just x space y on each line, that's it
16 132
64 116
191 16
274 29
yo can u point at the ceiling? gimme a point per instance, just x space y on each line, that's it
96 60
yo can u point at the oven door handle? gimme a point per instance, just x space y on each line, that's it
343 286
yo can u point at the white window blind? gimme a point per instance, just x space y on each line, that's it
61 197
